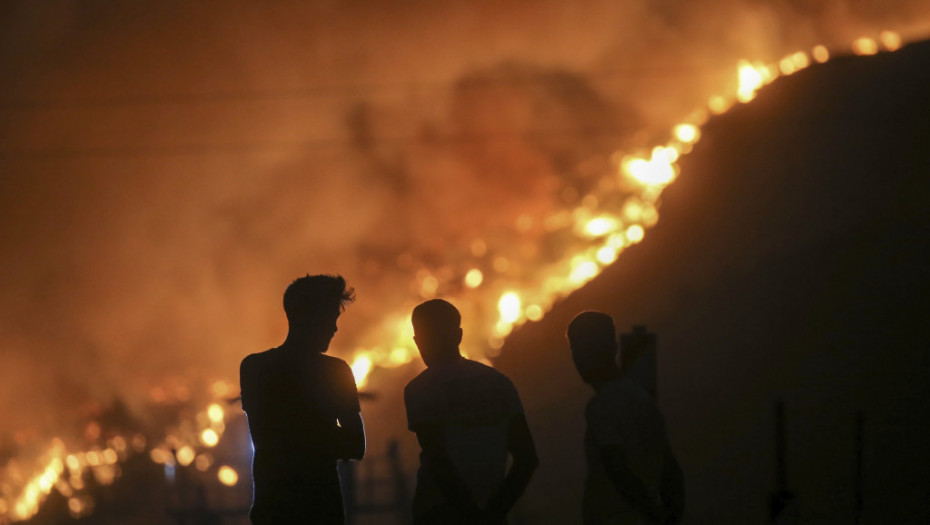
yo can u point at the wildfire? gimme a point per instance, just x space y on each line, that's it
602 231
66 471
612 217
62 471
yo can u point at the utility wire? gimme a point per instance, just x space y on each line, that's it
329 144
337 90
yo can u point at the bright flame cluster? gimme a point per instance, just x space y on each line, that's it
23 488
66 472
189 443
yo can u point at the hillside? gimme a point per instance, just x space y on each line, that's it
789 262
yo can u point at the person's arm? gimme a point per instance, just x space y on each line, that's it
247 395
627 484
443 471
245 375
672 487
351 436
349 440
523 450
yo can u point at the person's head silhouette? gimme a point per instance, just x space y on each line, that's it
437 331
312 305
593 340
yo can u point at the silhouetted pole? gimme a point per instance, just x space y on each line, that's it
860 420
348 481
781 448
638 358
401 505
783 505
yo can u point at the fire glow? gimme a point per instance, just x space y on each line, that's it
187 443
612 217
602 231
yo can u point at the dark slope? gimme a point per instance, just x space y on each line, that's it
789 261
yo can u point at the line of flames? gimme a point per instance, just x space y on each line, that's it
189 444
612 230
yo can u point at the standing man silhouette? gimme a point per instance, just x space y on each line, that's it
303 412
633 477
468 418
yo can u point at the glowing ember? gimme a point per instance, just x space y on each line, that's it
600 226
428 287
203 462
890 40
76 506
186 455
227 476
865 46
821 54
215 413
688 133
161 456
606 255
93 458
119 444
787 66
583 271
209 437
221 388
474 278
534 312
800 60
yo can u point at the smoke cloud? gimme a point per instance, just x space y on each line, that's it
166 169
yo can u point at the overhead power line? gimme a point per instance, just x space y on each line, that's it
331 90
329 144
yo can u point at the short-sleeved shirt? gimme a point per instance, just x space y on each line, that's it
474 406
292 402
621 413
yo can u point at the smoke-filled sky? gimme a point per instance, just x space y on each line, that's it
167 168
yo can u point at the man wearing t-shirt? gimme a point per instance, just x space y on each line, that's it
468 418
633 477
303 412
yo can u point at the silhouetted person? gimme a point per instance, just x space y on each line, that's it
303 411
467 417
633 477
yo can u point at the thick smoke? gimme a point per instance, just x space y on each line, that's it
167 169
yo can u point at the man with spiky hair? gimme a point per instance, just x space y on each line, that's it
303 412
633 476
467 418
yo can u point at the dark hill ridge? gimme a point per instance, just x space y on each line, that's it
789 261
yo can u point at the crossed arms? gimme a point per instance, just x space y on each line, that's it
670 508
456 492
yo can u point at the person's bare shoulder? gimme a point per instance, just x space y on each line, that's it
332 361
255 363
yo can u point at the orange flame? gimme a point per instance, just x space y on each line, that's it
611 229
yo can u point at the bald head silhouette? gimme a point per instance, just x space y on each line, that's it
593 340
